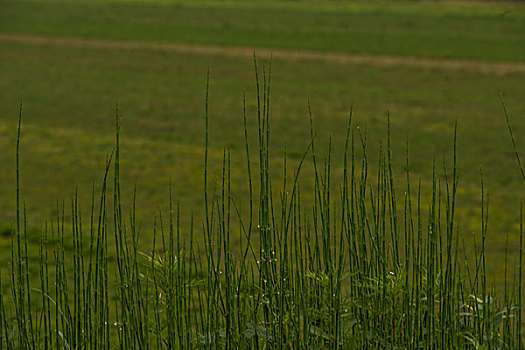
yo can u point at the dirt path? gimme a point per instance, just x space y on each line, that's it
339 58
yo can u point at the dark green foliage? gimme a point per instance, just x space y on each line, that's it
366 266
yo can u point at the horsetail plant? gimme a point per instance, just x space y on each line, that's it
300 263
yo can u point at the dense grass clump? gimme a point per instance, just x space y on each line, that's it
362 265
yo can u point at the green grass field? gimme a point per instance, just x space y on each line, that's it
70 89
351 272
473 30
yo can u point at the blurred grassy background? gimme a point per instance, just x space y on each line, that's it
70 88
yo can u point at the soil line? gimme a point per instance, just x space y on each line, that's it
338 58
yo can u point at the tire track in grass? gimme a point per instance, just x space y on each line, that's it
487 67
